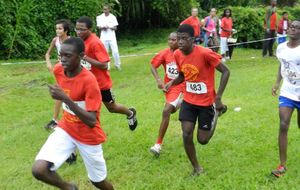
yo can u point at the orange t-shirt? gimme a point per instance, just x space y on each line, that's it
199 73
84 91
273 21
194 22
226 23
166 59
95 49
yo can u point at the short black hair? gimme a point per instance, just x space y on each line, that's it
88 22
66 25
186 28
284 13
77 43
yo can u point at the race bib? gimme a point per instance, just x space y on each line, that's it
86 65
66 108
171 70
196 87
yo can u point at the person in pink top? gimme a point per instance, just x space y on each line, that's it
210 26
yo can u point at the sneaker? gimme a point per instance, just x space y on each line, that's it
118 68
279 171
224 60
72 158
227 58
156 149
132 120
51 125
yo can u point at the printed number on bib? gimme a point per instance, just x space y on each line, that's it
86 65
171 70
196 87
66 108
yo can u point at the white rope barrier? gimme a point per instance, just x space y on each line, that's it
148 54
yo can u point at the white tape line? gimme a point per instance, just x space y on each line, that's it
147 54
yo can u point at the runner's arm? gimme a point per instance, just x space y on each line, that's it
96 63
225 73
277 84
48 54
173 82
159 82
89 118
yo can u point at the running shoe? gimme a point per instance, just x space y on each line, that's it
279 171
132 120
72 158
156 149
51 125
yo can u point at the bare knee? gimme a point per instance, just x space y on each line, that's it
203 140
166 112
111 107
284 126
40 169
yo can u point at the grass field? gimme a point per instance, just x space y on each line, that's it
241 154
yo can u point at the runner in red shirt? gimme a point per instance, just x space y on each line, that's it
79 127
196 66
96 60
194 22
173 101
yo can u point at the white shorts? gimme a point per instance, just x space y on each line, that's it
223 45
60 145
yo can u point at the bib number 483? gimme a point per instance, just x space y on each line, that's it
196 87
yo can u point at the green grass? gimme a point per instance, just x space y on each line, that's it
241 154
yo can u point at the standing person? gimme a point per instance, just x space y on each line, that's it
289 99
283 27
210 27
270 25
63 28
196 66
96 60
166 59
79 127
226 32
108 23
193 20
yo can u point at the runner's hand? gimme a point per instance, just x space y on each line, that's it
167 86
274 89
160 84
57 93
218 103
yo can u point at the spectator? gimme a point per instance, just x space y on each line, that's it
283 27
226 32
108 23
270 25
210 26
195 23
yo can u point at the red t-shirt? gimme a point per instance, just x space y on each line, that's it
95 49
226 23
273 21
84 91
194 22
199 73
166 59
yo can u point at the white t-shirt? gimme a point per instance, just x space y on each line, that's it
290 71
107 21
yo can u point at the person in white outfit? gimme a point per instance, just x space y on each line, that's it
108 23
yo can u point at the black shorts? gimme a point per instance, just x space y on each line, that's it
107 96
204 114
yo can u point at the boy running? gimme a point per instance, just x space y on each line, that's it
166 59
289 99
196 66
96 60
63 28
79 127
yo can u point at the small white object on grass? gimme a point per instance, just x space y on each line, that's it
237 109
